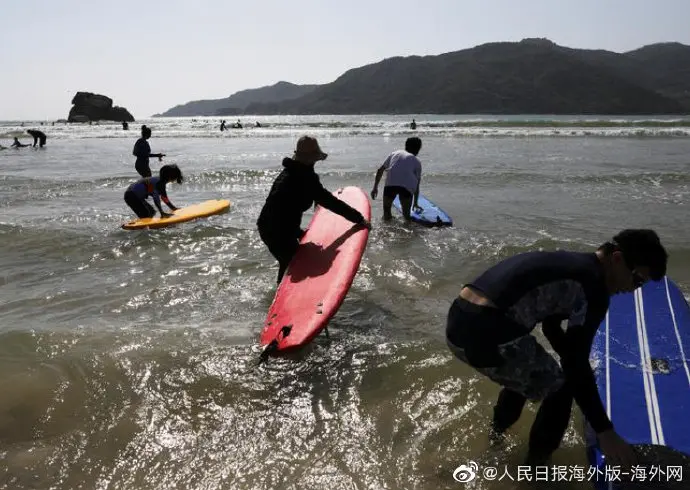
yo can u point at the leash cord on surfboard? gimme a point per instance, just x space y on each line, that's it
272 346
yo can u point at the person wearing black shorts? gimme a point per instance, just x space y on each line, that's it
403 179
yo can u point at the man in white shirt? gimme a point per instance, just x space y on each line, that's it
403 178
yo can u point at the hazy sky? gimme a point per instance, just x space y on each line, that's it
151 55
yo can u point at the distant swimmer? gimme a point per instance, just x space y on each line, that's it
403 179
17 144
222 125
125 125
258 124
138 192
237 125
142 150
39 136
413 124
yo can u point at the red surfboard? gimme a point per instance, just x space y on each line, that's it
318 277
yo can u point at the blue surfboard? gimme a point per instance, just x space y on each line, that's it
641 354
431 214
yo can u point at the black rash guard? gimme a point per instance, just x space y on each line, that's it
549 287
294 191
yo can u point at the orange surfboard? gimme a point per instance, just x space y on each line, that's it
200 210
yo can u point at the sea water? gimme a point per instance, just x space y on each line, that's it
129 359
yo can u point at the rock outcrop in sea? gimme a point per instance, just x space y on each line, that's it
95 107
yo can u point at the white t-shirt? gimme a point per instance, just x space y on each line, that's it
404 170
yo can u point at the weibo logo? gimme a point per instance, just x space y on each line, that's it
466 472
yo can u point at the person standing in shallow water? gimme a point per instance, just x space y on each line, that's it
490 323
294 191
142 150
403 179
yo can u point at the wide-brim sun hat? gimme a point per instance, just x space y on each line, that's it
308 148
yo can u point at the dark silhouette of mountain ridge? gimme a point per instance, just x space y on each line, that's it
238 101
533 76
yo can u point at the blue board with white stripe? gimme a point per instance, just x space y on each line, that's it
641 353
431 214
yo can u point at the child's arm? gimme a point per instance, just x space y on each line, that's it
164 197
157 202
169 203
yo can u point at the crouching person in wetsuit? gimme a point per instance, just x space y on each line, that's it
294 191
137 193
489 327
39 137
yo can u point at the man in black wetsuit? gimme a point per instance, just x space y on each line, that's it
489 327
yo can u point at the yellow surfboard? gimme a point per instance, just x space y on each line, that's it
200 210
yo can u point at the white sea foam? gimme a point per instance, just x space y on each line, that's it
374 125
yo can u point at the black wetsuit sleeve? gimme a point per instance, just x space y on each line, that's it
329 201
551 327
580 377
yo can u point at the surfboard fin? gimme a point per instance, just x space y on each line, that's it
272 346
